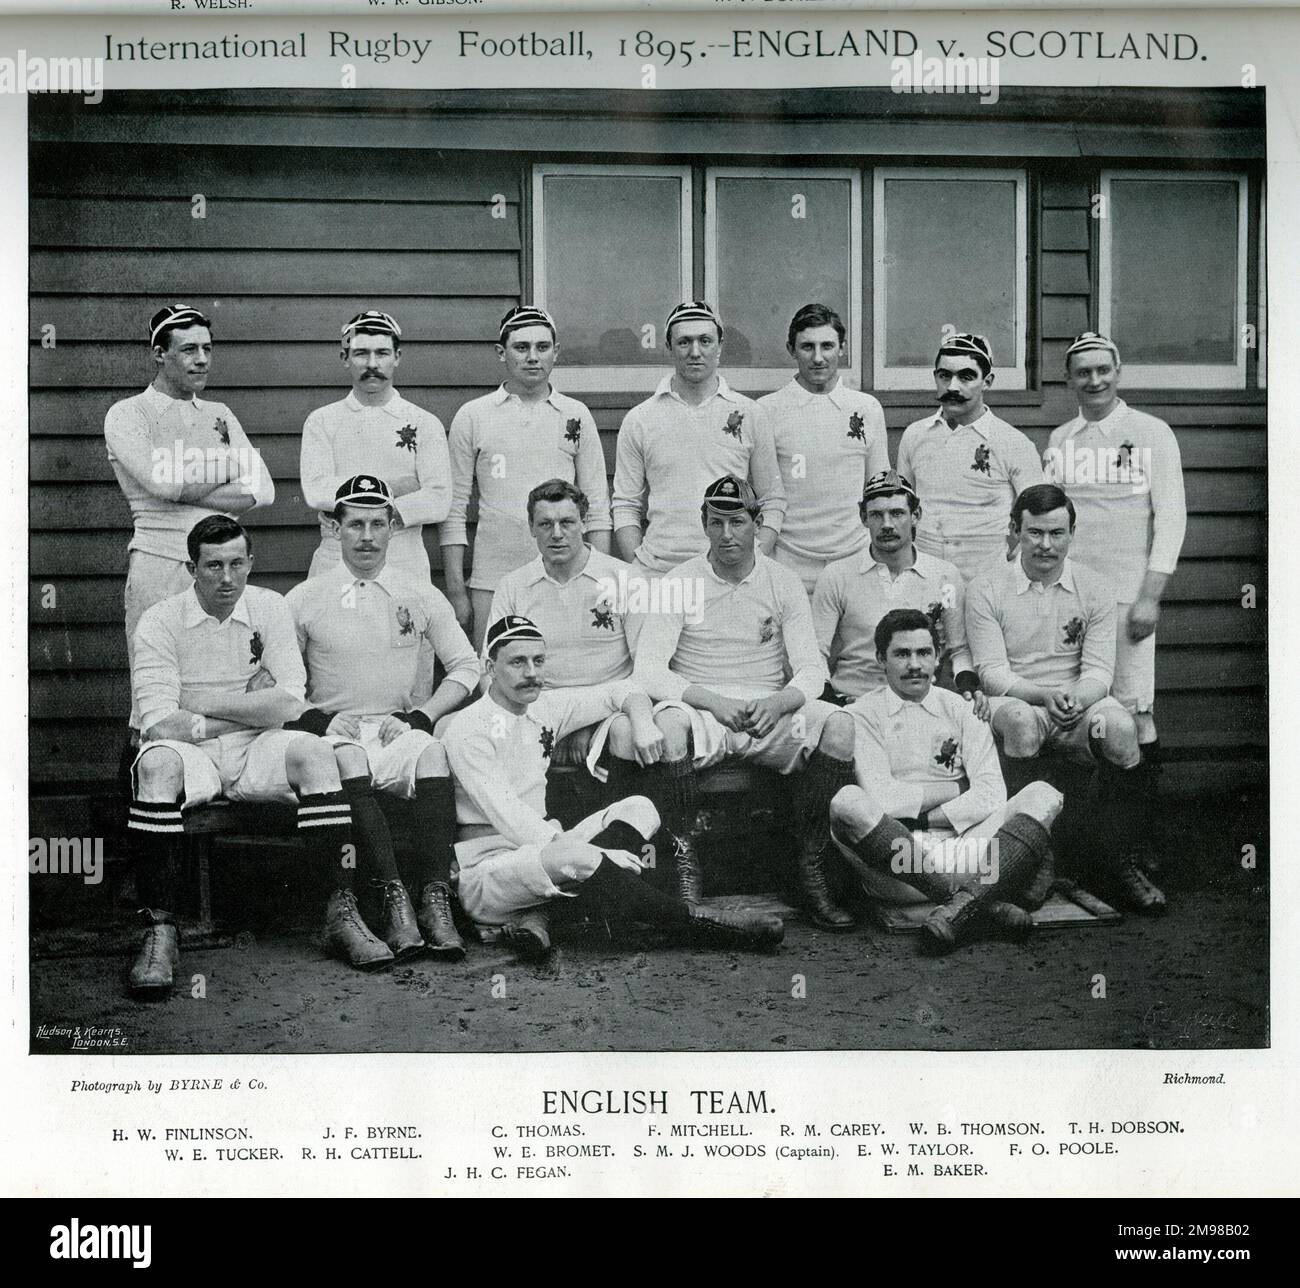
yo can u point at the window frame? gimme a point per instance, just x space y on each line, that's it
901 379
766 379
610 379
1167 375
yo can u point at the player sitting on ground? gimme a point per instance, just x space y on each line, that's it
929 818
512 859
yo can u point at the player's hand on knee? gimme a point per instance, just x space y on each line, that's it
647 744
733 714
763 717
979 701
344 726
391 728
1064 711
261 679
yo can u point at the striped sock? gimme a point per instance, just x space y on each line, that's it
325 829
156 829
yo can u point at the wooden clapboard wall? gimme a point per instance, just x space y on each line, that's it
316 210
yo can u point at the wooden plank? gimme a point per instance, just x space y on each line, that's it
243 317
76 648
87 601
104 364
1211 720
1063 315
190 274
1065 194
1224 536
79 411
358 226
1065 229
1222 668
76 751
318 174
82 695
85 460
1208 624
60 507
1228 448
1064 273
1216 579
1219 491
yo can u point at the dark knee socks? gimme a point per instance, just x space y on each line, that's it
325 830
156 830
435 831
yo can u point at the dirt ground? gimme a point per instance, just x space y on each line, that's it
1197 978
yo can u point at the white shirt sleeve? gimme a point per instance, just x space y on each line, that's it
874 773
256 478
450 644
1168 503
985 791
630 486
320 481
126 433
461 455
155 672
471 754
988 645
432 500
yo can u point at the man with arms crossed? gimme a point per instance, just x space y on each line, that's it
853 594
360 626
928 777
178 458
217 671
1042 632
512 859
507 442
374 430
691 430
966 464
829 441
741 675
1124 474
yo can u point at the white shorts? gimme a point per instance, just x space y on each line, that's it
393 768
243 766
1134 685
149 580
1071 742
784 749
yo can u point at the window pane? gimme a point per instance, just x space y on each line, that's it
1174 270
613 264
777 253
950 255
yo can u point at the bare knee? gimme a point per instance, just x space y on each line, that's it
853 814
1115 733
309 764
620 739
567 859
159 775
675 725
837 736
351 761
1018 728
1041 801
432 761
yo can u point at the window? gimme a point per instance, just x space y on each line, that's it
611 259
1173 277
776 240
950 253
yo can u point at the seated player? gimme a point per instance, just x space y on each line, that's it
853 594
1042 632
216 673
929 818
361 627
512 860
732 650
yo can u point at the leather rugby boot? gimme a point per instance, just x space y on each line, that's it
155 964
348 936
530 936
441 937
1137 891
397 926
688 877
816 891
954 923
721 928
1009 921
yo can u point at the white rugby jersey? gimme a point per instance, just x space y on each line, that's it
159 448
360 639
827 446
507 447
349 437
669 451
1124 474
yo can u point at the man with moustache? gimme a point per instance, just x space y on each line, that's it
178 458
375 431
217 672
361 626
829 441
506 443
691 430
745 676
853 594
966 464
1124 473
1042 633
512 860
927 778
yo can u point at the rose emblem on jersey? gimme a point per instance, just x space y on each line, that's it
981 461
404 624
734 422
406 437
855 427
767 631
947 754
573 431
1072 631
602 617
547 740
1124 456
255 647
222 430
